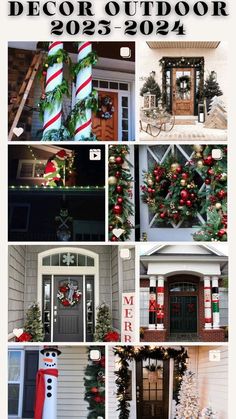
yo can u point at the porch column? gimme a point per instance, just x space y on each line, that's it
215 302
152 302
160 302
207 302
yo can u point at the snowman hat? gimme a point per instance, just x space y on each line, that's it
61 155
51 349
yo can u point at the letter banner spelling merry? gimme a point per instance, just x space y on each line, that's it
128 317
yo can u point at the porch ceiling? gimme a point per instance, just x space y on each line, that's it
183 44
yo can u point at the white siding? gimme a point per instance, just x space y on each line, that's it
71 364
213 380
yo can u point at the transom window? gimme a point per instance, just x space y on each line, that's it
31 169
68 259
112 85
183 287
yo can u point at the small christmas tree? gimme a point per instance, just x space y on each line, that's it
211 86
33 324
188 406
152 87
103 324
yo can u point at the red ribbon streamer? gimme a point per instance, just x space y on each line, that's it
84 84
81 127
54 119
53 76
54 44
85 45
40 390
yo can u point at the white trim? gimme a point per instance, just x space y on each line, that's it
20 382
33 162
68 270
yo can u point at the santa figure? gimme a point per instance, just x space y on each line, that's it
46 385
53 169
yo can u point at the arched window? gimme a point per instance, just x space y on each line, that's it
183 287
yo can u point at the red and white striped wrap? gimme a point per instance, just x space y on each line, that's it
83 89
52 118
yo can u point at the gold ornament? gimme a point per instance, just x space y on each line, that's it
174 167
149 181
188 186
218 205
198 148
200 164
198 155
183 182
119 219
112 159
112 180
223 176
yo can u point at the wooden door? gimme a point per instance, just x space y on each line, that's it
183 91
68 323
106 129
31 368
183 314
152 389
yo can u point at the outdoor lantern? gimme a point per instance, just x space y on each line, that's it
149 100
201 113
125 254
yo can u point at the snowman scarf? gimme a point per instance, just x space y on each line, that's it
40 390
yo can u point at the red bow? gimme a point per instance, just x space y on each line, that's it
40 390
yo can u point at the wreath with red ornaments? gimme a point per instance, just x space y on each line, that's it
68 294
105 107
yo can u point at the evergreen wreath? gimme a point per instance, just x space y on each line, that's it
183 79
64 297
130 353
105 108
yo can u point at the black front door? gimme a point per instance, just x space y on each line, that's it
183 314
152 389
31 368
68 324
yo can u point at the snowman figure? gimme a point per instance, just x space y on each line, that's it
46 385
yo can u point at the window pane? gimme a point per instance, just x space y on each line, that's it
104 84
55 259
68 259
46 261
124 86
125 135
14 365
114 86
39 169
90 261
81 260
95 83
26 170
125 113
124 101
125 124
13 398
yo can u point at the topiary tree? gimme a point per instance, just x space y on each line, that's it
33 324
151 86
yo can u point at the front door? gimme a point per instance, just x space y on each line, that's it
183 314
152 389
183 91
68 324
105 122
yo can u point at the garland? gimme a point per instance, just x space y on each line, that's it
78 113
172 192
120 192
49 99
68 295
94 382
132 353
105 102
61 56
183 79
90 59
61 134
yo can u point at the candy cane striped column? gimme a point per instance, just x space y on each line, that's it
52 118
207 302
152 302
215 302
160 302
83 89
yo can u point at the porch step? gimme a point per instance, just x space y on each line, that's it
185 121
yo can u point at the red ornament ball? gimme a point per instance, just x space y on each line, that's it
119 160
181 202
114 239
119 189
118 174
155 172
162 215
158 178
111 227
192 195
119 200
117 209
221 232
179 169
207 181
189 203
94 390
210 172
208 161
174 176
221 194
185 175
184 194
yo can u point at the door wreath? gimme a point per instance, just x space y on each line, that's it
183 84
105 108
68 294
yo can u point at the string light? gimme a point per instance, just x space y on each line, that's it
69 188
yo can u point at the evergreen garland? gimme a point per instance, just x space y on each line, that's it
130 353
60 56
78 113
90 59
120 192
61 134
33 324
94 382
51 98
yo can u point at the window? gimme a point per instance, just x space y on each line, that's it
125 118
19 217
183 287
15 372
46 308
68 259
144 303
31 169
